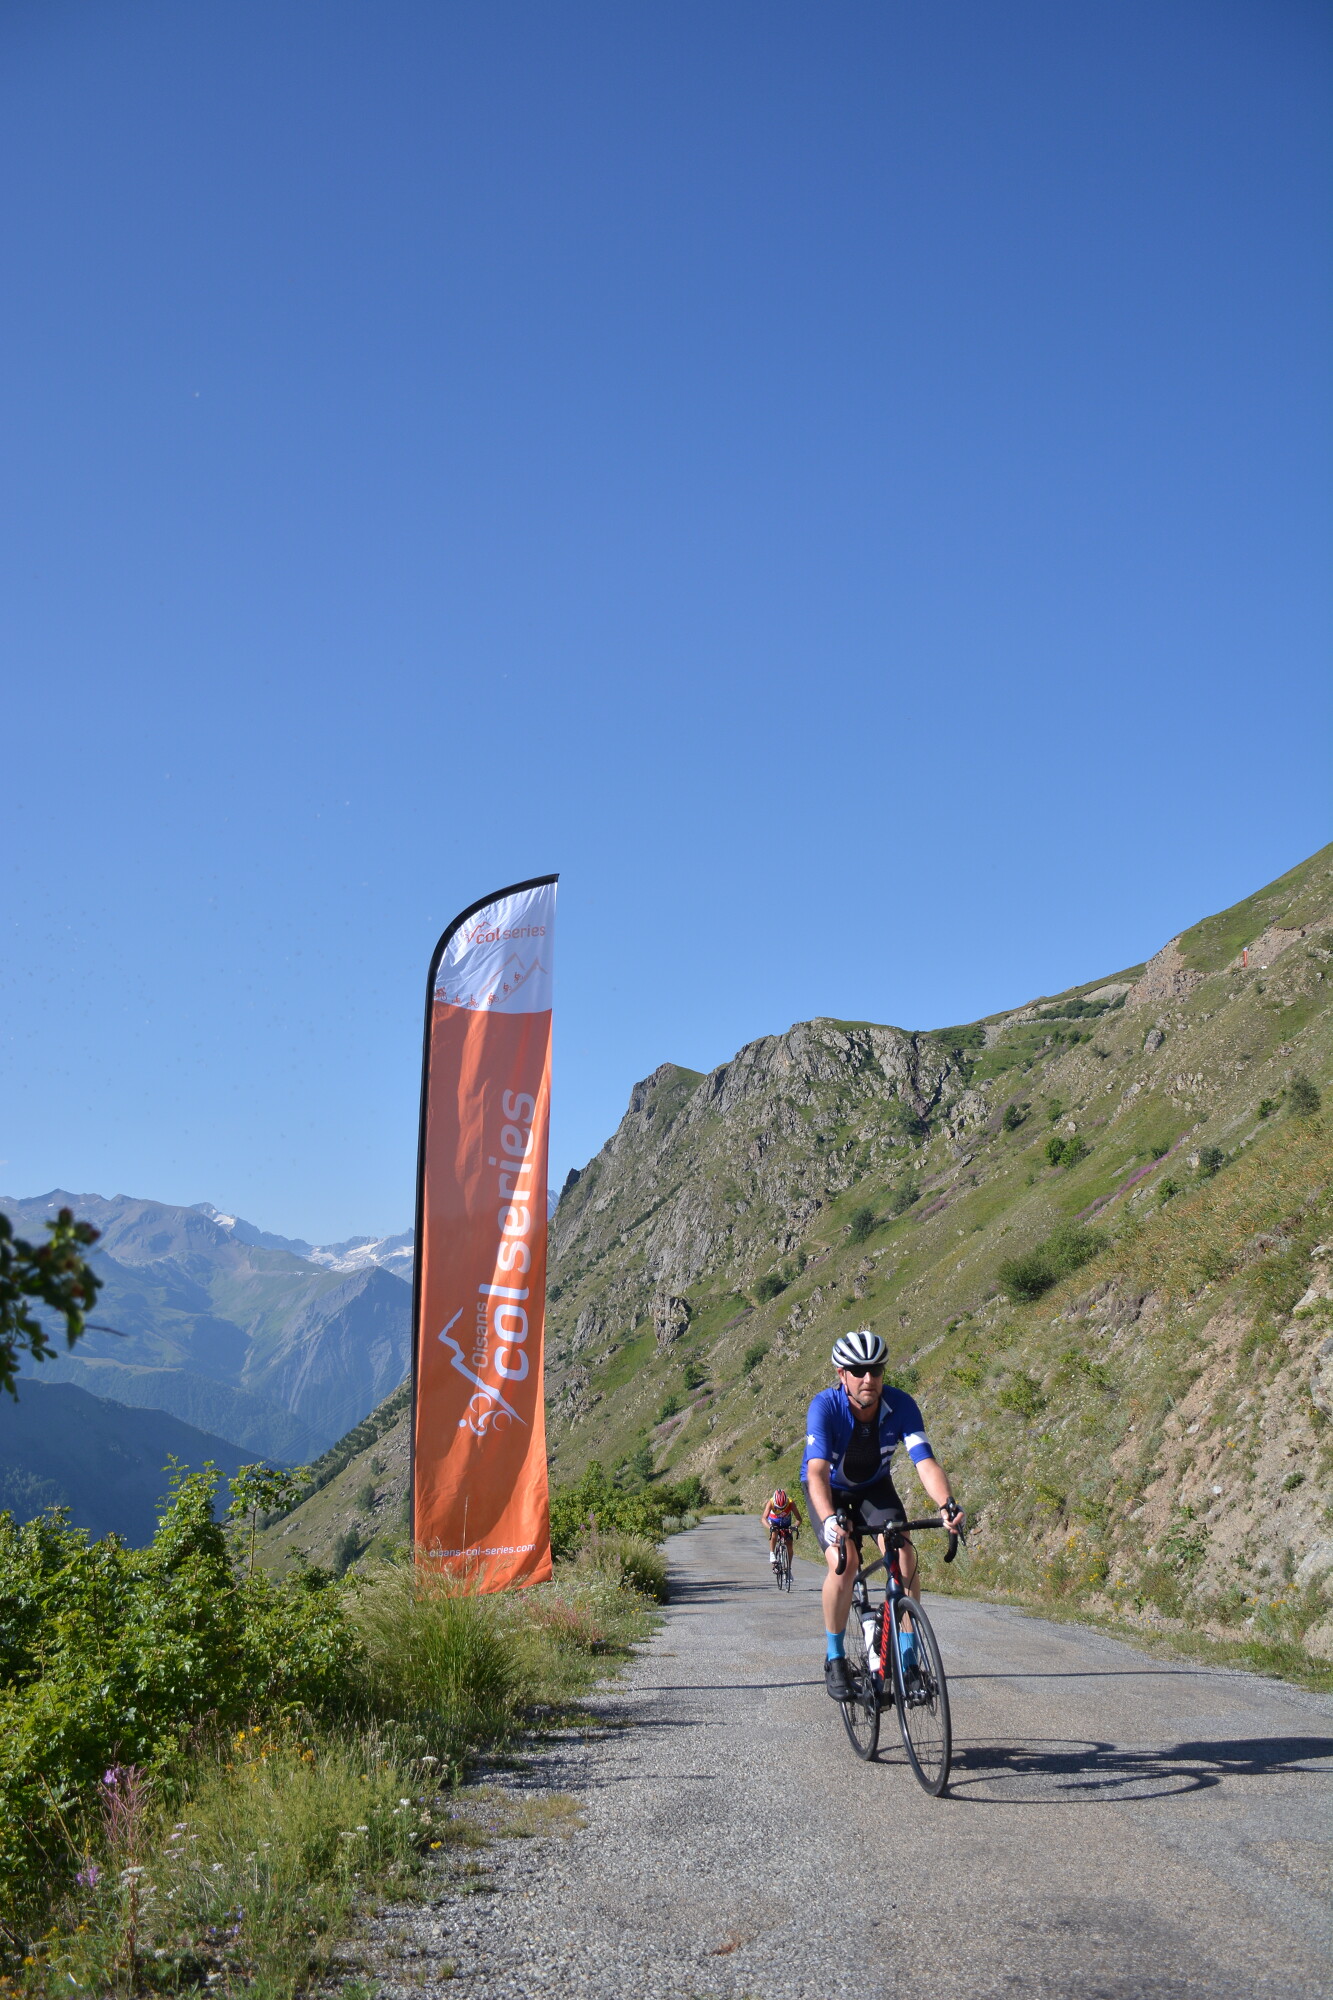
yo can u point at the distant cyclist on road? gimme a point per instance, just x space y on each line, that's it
852 1432
782 1518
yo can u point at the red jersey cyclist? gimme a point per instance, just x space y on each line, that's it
852 1432
782 1518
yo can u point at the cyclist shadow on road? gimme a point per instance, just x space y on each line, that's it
1049 1771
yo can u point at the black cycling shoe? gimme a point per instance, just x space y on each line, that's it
837 1679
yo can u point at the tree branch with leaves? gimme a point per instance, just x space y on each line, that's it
56 1275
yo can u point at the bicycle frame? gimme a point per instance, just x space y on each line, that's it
894 1538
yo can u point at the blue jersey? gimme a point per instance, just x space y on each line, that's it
860 1453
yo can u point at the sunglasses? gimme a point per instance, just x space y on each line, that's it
876 1371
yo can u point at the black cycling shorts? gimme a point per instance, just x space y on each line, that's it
873 1508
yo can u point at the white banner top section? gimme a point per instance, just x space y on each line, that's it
498 961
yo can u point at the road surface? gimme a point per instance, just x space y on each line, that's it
1117 1827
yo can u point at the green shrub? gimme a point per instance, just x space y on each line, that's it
861 1224
1303 1099
670 1408
1076 1149
1013 1118
435 1658
903 1197
630 1559
596 1504
1022 1395
694 1375
111 1655
768 1287
1055 1150
1065 1251
1267 1106
1210 1159
346 1548
753 1355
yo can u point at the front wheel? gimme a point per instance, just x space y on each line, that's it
921 1697
860 1715
784 1565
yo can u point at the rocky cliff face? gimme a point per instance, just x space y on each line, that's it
708 1176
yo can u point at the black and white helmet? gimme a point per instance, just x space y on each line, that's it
862 1349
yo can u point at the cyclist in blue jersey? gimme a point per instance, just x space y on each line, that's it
851 1434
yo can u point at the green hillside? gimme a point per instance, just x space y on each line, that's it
1125 1429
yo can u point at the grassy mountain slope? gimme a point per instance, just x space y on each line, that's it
358 1506
1149 1435
665 1355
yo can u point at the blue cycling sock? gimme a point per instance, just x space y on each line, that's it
833 1646
907 1650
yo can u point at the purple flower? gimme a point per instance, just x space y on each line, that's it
89 1877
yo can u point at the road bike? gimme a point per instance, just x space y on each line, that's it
782 1567
876 1635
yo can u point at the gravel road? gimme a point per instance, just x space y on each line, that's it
1118 1827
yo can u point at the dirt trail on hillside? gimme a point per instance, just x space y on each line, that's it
1118 1827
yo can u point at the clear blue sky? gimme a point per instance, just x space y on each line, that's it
846 485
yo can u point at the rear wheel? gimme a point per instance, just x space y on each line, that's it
860 1715
922 1699
784 1564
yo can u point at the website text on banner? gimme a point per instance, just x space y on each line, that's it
479 1498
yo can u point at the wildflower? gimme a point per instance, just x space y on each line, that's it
437 1843
89 1877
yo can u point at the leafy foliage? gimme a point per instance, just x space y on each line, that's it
55 1275
597 1505
861 1224
1303 1098
769 1286
110 1655
1063 1253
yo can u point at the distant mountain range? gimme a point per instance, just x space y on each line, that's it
358 1253
274 1345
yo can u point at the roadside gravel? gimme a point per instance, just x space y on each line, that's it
1118 1827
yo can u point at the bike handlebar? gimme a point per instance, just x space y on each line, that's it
844 1520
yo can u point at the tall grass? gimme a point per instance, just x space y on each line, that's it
243 1871
435 1660
1210 1233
